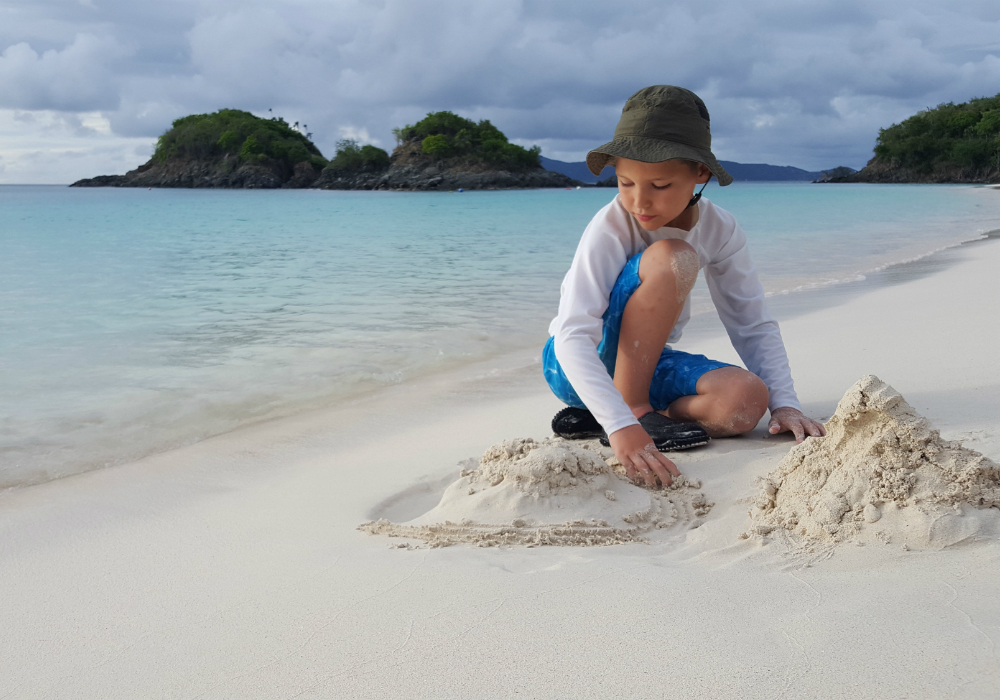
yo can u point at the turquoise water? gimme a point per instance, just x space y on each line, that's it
138 320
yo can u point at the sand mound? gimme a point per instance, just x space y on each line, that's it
552 492
882 474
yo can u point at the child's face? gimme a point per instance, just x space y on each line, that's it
657 193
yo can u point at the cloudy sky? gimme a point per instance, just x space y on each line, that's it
86 86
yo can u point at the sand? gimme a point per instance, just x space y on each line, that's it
548 492
881 475
233 568
684 264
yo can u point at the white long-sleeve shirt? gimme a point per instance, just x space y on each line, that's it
612 237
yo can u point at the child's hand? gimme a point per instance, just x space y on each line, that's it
635 450
787 418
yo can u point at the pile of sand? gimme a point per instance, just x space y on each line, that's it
549 492
882 474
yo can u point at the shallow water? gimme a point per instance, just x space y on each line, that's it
138 320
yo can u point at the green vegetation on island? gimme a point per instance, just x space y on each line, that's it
949 139
352 157
232 132
235 149
445 135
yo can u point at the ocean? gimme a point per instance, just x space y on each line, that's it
134 321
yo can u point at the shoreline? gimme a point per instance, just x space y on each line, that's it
703 326
232 568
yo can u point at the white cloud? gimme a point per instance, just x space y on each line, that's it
49 147
357 134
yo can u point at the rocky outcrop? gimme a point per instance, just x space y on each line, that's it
228 172
410 169
102 181
838 172
889 172
432 177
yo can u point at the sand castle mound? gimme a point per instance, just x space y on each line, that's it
548 492
882 474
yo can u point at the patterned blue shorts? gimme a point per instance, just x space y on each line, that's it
676 375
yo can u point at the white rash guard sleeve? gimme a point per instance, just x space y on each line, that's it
577 330
739 298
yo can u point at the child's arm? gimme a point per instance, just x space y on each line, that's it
578 327
577 331
739 298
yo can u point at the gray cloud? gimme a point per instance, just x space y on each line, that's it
787 82
78 77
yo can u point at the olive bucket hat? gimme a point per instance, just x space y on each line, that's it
660 123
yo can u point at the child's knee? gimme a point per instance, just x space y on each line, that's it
748 402
739 400
671 258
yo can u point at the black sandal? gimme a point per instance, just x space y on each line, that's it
576 424
668 434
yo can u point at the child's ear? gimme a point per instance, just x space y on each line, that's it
704 174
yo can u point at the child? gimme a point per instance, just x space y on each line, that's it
626 296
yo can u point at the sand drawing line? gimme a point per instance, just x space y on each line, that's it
968 617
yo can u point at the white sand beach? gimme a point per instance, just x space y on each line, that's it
233 568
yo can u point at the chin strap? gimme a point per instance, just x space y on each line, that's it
694 200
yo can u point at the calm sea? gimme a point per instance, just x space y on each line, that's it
133 321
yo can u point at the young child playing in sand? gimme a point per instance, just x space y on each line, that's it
626 296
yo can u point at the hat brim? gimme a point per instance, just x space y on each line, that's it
647 150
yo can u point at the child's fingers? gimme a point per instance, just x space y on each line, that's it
631 473
646 469
661 472
650 466
799 425
662 467
668 465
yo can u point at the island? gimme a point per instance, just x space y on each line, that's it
226 149
442 151
950 143
236 149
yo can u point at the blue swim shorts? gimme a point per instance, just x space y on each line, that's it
676 375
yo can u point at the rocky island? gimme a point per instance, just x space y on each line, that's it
443 151
235 149
950 143
226 149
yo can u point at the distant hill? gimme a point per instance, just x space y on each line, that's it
577 171
747 172
950 143
762 172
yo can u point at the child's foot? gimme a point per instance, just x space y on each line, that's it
668 434
576 424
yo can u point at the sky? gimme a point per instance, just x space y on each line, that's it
86 86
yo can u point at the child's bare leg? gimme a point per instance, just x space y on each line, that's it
729 401
668 270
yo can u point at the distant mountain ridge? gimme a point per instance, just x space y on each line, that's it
745 172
